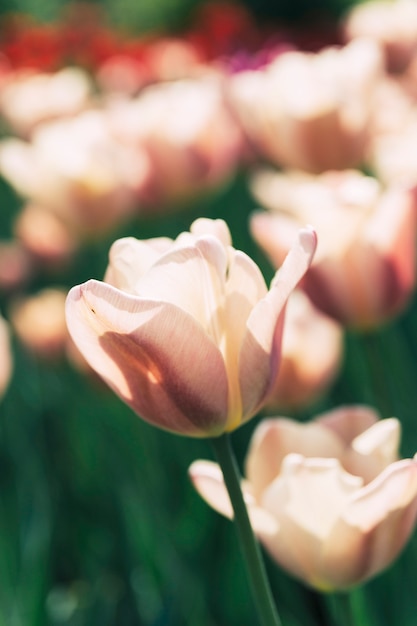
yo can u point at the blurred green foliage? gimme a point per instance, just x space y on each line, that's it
143 15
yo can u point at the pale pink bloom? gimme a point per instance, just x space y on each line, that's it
28 98
364 269
39 322
192 140
45 236
5 356
187 333
392 24
310 111
328 499
77 169
312 351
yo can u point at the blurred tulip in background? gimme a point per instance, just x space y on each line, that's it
28 98
310 111
392 24
193 142
364 270
78 170
39 322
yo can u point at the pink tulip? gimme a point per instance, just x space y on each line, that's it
392 24
28 98
185 128
78 170
187 334
328 499
39 322
310 111
364 270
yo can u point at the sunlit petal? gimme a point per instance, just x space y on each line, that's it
141 349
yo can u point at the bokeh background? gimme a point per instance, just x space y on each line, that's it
99 524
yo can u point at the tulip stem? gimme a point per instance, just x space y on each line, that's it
249 545
342 606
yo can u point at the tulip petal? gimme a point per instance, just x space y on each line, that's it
348 422
245 287
260 352
274 439
193 279
153 355
373 450
218 228
307 499
130 258
207 479
374 527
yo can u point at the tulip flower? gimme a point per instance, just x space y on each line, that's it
39 322
392 24
44 235
28 98
187 334
312 350
192 140
78 170
328 499
310 111
364 270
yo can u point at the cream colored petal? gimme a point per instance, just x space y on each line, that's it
373 450
130 258
275 438
245 287
153 355
374 527
260 352
207 479
307 499
348 422
192 278
218 228
317 489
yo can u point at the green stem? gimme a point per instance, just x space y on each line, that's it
248 543
342 609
